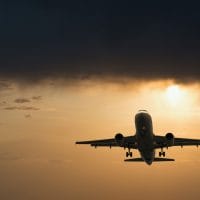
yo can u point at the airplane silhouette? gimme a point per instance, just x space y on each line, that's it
144 140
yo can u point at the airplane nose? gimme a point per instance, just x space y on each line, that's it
149 161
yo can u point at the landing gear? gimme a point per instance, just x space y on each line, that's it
128 153
161 153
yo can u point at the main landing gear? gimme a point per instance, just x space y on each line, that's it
129 153
161 153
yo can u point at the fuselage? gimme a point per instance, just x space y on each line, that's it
145 136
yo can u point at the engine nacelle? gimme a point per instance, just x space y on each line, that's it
119 138
170 139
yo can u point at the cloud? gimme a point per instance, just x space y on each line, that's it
28 116
4 85
120 72
130 41
37 97
3 103
21 100
21 108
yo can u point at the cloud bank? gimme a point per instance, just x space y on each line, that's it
80 40
21 100
21 108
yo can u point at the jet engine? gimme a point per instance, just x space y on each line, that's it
119 138
170 139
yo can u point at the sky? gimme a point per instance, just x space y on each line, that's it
81 70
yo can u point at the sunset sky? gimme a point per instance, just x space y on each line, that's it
81 70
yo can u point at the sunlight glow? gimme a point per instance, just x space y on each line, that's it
174 95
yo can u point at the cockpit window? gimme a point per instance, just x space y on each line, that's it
143 111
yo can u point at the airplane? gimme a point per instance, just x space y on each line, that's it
144 140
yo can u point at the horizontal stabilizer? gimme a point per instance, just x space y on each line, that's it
155 159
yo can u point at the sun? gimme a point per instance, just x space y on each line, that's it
174 94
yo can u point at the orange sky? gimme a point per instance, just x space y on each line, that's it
39 160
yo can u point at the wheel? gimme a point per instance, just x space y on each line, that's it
127 154
163 154
159 154
131 154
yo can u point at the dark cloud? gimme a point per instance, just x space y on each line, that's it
76 40
37 97
22 100
21 108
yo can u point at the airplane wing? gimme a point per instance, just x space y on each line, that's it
161 142
128 142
